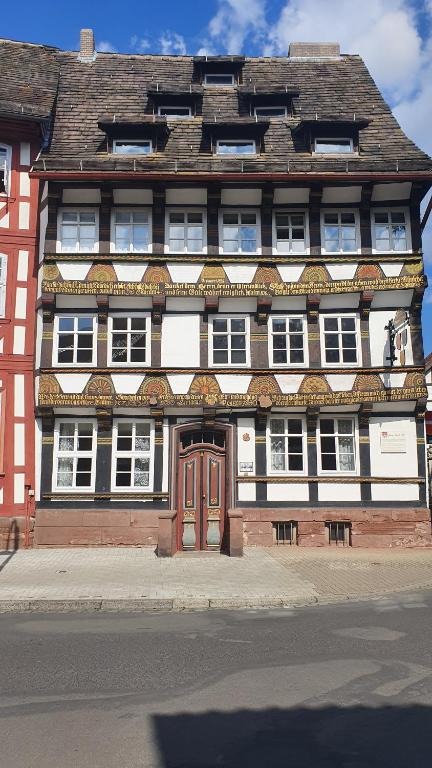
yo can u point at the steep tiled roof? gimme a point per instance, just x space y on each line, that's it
28 80
119 84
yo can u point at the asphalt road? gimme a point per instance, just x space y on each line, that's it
346 686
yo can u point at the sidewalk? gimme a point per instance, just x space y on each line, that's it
135 579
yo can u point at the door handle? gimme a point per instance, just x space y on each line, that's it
203 495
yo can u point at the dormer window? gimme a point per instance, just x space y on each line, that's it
270 111
4 169
175 112
217 79
133 147
333 146
236 147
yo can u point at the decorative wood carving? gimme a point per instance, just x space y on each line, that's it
315 385
204 385
315 274
366 298
264 385
102 273
368 272
48 307
100 386
368 382
312 307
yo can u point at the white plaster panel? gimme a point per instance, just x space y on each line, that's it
19 395
393 464
184 304
21 303
1 495
395 407
165 455
293 303
19 340
340 301
246 440
343 382
133 196
1 345
75 302
19 445
25 153
180 382
289 383
81 196
380 346
290 273
22 271
24 215
24 184
287 492
180 341
231 385
132 273
237 305
288 195
187 196
128 383
391 270
130 302
341 271
339 492
390 379
72 382
185 273
70 271
394 492
246 491
240 273
4 220
43 221
399 191
341 194
398 299
233 196
19 488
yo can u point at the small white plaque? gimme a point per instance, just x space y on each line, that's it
246 466
393 442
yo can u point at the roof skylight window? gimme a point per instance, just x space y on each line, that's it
124 147
219 79
234 147
175 112
333 146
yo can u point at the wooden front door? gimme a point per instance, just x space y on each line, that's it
201 492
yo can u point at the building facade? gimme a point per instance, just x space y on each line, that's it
229 335
26 100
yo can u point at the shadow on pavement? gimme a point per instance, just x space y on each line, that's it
12 544
328 737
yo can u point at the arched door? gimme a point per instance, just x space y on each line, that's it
201 494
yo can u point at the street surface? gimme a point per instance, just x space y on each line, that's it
336 686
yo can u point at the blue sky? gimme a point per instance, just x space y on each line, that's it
393 36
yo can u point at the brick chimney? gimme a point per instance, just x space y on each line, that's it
314 51
87 46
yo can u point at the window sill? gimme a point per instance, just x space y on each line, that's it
5 321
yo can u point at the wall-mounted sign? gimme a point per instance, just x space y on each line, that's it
393 442
246 466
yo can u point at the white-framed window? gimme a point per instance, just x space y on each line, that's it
3 278
77 230
236 147
229 341
286 453
271 111
218 79
131 230
5 168
286 336
290 232
129 339
333 146
340 231
132 455
340 339
75 340
175 111
185 231
74 465
239 231
390 230
132 146
337 448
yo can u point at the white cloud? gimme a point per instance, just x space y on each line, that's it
235 20
172 43
106 47
140 44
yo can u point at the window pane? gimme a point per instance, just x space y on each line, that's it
219 324
327 426
345 426
277 426
85 324
238 357
238 325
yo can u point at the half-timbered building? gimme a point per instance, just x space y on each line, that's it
28 84
229 333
